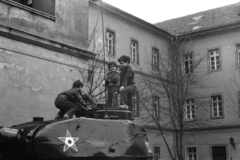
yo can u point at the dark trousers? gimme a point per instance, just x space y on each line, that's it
127 94
65 106
81 113
112 97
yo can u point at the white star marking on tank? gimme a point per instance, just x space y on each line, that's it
69 141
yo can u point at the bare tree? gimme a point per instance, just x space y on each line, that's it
95 74
233 91
97 67
174 78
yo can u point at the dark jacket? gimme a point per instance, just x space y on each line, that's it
126 76
74 96
87 98
112 79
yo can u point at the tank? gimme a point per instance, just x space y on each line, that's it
103 135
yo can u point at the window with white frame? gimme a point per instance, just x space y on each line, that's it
155 58
189 109
156 153
238 54
191 153
156 107
187 64
134 51
110 43
214 59
217 106
135 103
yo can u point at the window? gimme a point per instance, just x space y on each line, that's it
190 109
156 153
155 58
90 75
214 59
46 6
135 104
238 54
238 102
217 107
191 153
110 43
156 106
187 64
134 52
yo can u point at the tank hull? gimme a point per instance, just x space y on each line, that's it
79 138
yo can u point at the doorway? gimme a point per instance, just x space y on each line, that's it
219 153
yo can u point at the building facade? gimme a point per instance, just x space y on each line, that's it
217 36
214 129
125 34
43 48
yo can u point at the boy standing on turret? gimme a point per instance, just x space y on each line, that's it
127 86
112 84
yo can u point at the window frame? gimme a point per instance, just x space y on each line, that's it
158 154
209 60
31 9
135 103
238 102
237 54
222 106
137 51
186 152
155 66
156 110
113 42
192 109
90 75
190 63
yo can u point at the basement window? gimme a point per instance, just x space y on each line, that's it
47 6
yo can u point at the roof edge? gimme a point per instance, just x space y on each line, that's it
132 18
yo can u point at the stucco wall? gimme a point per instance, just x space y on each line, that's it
125 30
219 82
70 25
156 140
30 79
204 140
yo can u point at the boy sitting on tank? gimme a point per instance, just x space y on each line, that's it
71 102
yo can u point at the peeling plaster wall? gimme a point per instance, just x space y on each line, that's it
70 26
30 79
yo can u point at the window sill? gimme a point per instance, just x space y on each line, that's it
237 66
213 118
32 10
190 120
216 70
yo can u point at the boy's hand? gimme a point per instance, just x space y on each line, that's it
121 89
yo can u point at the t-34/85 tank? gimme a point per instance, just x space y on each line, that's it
77 138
